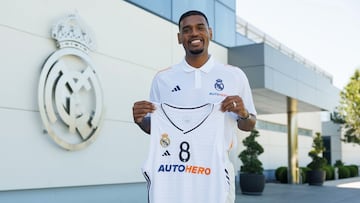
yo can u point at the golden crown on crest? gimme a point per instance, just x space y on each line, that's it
70 31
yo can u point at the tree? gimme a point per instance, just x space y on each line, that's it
249 156
348 112
318 162
317 174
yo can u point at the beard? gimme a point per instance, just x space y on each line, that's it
196 52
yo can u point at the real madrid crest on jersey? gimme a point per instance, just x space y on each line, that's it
69 92
219 85
164 141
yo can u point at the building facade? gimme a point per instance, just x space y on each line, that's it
130 41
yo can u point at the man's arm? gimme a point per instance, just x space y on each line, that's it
246 123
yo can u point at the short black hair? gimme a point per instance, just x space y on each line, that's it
191 13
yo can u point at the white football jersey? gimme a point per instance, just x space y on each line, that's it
187 155
183 85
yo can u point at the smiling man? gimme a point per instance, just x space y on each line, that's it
189 95
195 35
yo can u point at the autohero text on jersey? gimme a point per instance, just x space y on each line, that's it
184 169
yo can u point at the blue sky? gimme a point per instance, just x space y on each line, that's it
326 32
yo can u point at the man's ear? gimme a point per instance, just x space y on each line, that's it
179 38
211 33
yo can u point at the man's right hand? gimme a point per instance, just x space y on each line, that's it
140 110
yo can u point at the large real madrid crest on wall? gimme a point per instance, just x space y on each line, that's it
69 93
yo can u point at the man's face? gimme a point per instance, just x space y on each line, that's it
194 35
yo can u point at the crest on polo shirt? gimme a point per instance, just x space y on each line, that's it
219 85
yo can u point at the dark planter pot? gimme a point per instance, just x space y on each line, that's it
316 177
252 184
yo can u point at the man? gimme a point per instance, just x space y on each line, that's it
198 80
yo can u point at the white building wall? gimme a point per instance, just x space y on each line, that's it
132 45
350 153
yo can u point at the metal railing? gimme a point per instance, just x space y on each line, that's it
257 36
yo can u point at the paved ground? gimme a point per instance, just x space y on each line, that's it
338 191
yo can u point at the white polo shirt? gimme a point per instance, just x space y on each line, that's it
184 85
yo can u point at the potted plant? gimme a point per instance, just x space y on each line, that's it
316 175
252 179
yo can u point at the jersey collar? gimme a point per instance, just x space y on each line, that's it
206 68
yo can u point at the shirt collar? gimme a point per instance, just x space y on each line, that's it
205 68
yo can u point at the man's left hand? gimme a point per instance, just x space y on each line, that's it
234 104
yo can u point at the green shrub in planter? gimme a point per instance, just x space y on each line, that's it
304 171
353 170
318 162
281 174
249 156
252 179
338 163
344 172
330 170
317 174
357 169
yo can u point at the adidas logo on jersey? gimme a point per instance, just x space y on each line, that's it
166 153
177 88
